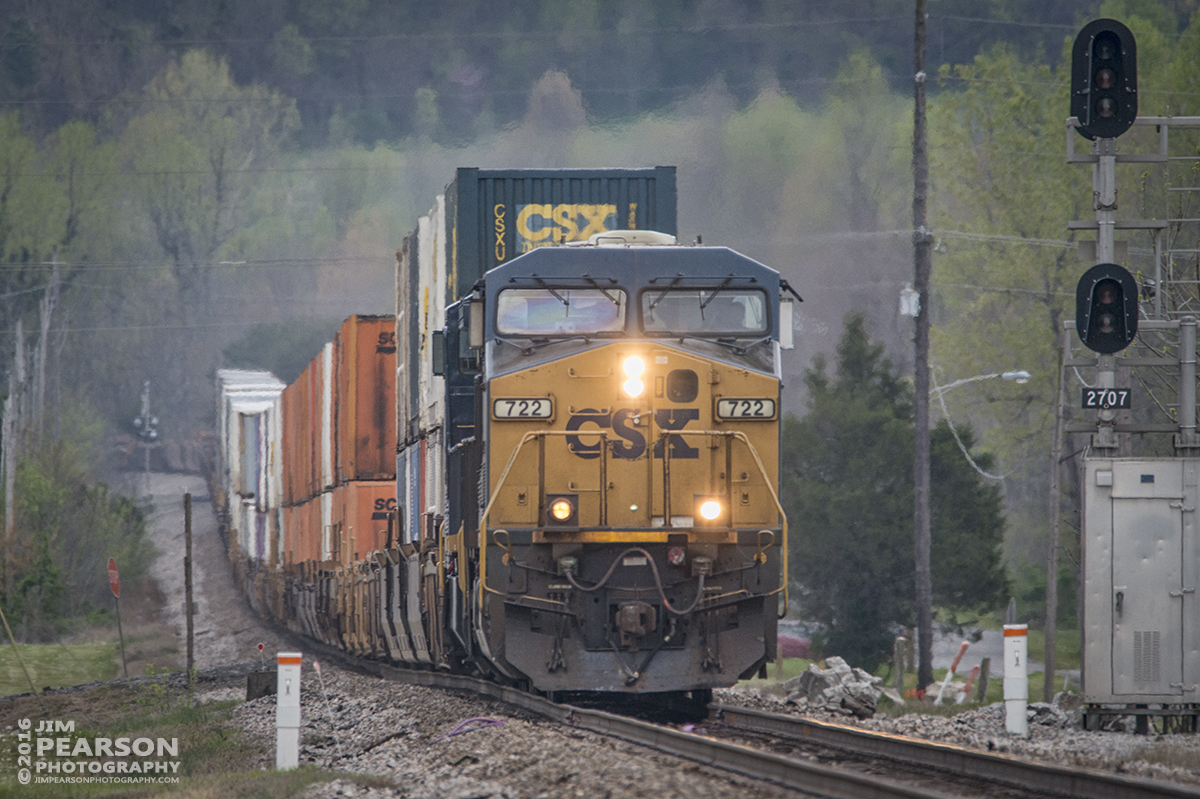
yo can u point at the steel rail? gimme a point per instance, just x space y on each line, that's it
1067 781
812 778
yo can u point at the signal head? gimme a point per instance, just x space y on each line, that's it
1106 310
1104 79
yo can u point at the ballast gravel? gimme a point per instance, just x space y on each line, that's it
435 744
1055 734
429 743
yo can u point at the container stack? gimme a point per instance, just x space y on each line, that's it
249 431
339 476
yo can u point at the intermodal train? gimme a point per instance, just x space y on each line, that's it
556 465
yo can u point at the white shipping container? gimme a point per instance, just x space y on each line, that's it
328 382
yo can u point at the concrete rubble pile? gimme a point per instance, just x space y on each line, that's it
837 688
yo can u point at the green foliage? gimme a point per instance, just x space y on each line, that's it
38 595
847 483
1029 589
67 528
283 349
967 522
195 151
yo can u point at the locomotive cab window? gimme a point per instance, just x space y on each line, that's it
720 312
543 312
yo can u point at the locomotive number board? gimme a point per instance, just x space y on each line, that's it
746 408
523 408
1107 398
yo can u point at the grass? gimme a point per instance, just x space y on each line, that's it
57 665
216 760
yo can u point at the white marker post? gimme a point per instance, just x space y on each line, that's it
287 712
1016 679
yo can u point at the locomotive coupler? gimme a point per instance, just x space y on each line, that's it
635 620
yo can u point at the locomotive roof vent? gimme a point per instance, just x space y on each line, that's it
630 238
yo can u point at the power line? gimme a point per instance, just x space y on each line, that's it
540 34
131 265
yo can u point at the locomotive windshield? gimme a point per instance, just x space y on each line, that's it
705 312
560 311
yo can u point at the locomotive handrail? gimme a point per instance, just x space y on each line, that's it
512 459
540 434
738 434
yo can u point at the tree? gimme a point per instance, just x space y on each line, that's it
848 488
201 152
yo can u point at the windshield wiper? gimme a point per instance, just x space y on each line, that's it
715 292
728 343
537 343
654 303
602 290
556 295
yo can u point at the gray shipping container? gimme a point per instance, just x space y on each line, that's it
494 215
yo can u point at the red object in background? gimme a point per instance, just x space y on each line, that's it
114 578
791 646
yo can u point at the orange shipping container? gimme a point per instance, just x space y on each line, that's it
311 526
366 399
313 450
289 555
291 422
361 515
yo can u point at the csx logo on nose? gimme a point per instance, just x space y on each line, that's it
632 443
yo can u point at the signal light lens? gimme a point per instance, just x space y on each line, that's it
635 366
1106 79
1106 108
561 510
710 509
634 387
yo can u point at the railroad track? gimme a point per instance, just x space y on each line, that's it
933 771
954 762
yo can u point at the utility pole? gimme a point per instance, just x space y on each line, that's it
922 267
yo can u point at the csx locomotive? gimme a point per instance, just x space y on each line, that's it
593 502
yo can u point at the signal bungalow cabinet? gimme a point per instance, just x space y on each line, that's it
1141 562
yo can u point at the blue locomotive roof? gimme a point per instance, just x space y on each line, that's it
636 267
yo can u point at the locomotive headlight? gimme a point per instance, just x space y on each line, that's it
634 368
561 510
709 510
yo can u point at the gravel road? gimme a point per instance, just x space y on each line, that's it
226 629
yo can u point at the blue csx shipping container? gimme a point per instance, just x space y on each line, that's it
494 215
